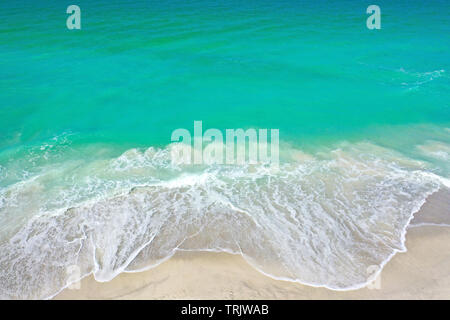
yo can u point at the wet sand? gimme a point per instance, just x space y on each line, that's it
423 272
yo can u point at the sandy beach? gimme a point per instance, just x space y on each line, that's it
420 273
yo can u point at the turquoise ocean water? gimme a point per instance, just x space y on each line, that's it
86 116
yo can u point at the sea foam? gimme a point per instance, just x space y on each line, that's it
321 219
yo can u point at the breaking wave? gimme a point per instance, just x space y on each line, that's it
321 219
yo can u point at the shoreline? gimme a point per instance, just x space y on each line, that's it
419 273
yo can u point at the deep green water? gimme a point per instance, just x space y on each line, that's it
73 102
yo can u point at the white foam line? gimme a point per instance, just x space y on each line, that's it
428 224
443 181
249 260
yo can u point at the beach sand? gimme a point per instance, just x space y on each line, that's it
423 272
